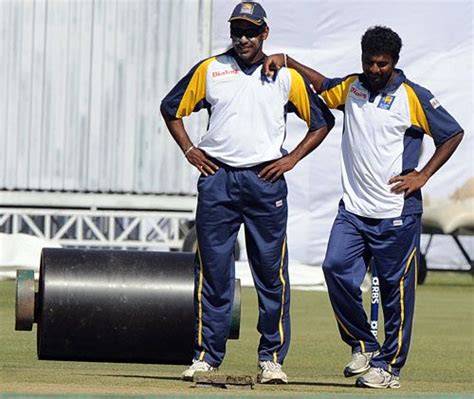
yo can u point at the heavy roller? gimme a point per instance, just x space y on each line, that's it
113 306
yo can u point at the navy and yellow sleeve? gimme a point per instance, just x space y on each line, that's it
304 101
334 91
189 94
428 114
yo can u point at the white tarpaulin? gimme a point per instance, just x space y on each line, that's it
23 251
437 53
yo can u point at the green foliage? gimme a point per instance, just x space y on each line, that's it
440 362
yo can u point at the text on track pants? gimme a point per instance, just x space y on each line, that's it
393 245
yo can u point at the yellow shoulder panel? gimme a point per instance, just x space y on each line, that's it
299 95
195 91
336 96
417 114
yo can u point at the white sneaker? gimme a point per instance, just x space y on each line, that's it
197 366
359 363
377 377
271 373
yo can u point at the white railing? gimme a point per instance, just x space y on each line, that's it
100 228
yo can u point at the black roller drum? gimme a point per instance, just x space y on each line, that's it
117 306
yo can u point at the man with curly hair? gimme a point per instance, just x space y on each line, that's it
385 119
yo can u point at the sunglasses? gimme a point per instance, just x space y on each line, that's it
249 33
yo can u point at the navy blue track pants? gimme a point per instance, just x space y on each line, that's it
226 200
393 246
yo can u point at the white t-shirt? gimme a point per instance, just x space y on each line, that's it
382 138
247 122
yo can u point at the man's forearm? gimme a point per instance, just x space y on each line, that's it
194 155
178 132
313 76
309 143
415 180
441 155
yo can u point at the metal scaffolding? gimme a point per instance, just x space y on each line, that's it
99 220
155 230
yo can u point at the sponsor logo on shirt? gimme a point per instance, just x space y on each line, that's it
386 102
225 72
359 94
434 102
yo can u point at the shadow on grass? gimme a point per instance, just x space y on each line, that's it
322 384
170 378
150 377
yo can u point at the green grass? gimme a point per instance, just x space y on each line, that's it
440 362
